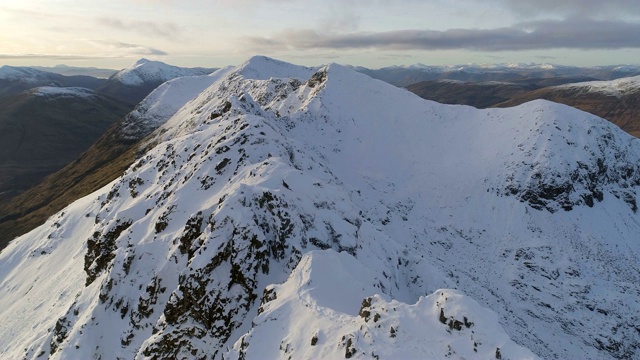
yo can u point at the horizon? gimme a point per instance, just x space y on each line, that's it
417 65
372 34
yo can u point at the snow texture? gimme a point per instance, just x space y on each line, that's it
289 212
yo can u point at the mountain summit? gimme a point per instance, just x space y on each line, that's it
292 212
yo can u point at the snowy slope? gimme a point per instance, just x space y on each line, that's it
147 71
22 73
296 212
327 313
164 102
615 88
50 91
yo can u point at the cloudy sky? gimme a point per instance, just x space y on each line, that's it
372 33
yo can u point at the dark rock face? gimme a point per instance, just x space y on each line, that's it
612 168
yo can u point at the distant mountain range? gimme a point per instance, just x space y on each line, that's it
277 211
14 80
67 70
408 75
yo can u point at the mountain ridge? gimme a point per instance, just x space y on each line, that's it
15 79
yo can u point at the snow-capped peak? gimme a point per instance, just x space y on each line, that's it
142 61
260 67
148 71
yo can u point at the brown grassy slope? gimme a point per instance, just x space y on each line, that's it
480 95
101 164
40 135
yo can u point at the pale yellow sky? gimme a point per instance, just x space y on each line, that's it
369 33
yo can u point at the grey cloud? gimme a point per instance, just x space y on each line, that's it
149 28
545 34
573 7
131 49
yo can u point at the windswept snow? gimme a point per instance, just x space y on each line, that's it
289 212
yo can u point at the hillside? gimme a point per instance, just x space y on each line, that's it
14 80
617 101
290 212
43 129
106 159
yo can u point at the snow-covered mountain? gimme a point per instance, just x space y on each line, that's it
147 71
136 82
290 212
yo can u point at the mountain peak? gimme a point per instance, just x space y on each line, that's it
142 61
261 67
146 71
